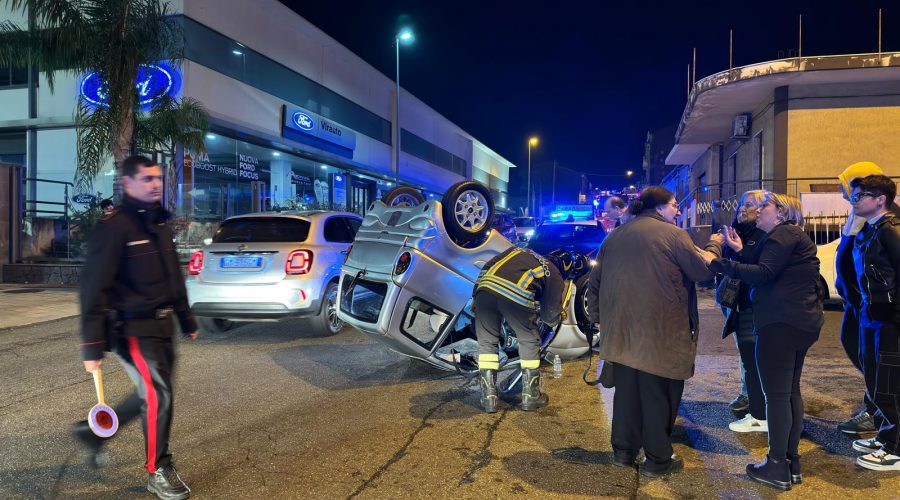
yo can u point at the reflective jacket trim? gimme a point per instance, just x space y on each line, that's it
528 277
502 261
509 286
503 292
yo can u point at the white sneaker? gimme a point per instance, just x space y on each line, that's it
880 460
749 424
870 445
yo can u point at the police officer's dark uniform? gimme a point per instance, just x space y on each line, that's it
511 286
132 269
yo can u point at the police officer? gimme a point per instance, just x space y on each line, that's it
512 286
132 276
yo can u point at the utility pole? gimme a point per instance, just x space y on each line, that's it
694 74
554 185
800 45
730 49
879 33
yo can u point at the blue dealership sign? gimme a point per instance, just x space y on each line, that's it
303 121
153 82
302 125
84 199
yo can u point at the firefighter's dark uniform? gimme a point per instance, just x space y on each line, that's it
511 286
132 269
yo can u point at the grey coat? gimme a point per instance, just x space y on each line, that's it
642 294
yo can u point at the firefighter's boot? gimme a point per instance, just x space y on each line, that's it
488 382
532 397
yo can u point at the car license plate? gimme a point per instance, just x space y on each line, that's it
241 262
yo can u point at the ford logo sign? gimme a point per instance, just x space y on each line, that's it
303 121
153 82
84 199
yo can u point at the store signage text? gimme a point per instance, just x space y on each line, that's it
310 124
201 162
248 166
84 199
153 82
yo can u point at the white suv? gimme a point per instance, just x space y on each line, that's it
272 265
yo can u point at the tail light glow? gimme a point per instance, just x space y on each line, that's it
299 262
195 265
403 263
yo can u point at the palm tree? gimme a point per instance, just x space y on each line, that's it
113 38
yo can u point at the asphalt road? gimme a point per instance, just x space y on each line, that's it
268 411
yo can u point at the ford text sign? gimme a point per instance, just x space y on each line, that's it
300 121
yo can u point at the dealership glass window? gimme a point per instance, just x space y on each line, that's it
234 177
226 56
13 77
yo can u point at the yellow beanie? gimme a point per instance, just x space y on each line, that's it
859 169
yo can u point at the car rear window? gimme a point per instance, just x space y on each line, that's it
262 230
574 233
524 222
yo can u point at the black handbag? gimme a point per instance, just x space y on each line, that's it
728 291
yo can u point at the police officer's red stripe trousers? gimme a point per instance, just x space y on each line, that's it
149 362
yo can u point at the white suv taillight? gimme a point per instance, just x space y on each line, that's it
298 262
195 265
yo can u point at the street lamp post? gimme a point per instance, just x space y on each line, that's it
405 35
532 142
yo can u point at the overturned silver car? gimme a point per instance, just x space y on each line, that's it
408 278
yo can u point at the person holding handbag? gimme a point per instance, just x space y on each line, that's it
739 314
787 318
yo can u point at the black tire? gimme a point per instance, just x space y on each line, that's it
467 210
326 323
581 313
215 325
403 196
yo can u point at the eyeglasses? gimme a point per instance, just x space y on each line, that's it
860 195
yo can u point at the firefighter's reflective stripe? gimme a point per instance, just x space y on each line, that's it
528 277
530 364
488 361
503 292
502 261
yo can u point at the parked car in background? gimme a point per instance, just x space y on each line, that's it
827 255
503 224
272 265
524 228
582 236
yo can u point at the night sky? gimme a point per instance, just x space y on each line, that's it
589 78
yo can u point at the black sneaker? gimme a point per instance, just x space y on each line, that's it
774 473
624 459
740 403
167 484
652 469
96 456
860 423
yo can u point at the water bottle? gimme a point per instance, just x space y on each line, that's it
557 366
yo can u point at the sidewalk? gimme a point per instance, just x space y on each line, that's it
25 305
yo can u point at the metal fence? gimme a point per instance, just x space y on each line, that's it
718 204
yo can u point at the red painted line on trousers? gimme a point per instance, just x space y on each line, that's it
152 405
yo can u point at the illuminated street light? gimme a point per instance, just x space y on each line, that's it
405 36
629 173
532 142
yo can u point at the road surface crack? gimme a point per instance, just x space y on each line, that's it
484 455
399 454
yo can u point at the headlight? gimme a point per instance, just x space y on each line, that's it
529 233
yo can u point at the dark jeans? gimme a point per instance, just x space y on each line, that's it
746 342
644 411
881 348
850 339
780 352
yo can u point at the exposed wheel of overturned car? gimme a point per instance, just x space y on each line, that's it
467 210
403 196
214 325
581 312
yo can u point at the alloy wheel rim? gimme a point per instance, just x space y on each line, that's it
471 210
334 322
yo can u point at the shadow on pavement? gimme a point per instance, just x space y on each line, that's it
701 417
249 333
353 366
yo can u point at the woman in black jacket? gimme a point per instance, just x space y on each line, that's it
739 320
787 317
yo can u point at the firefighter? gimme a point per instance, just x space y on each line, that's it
523 288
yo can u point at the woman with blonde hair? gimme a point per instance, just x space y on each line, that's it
787 318
739 317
